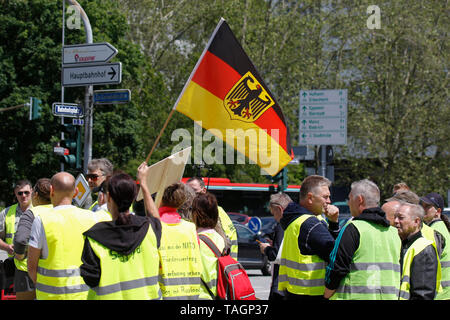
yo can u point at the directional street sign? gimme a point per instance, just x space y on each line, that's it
323 117
83 190
76 76
254 224
112 96
88 53
71 110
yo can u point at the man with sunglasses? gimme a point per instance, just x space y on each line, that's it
9 219
98 171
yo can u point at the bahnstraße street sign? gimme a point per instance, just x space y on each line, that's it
88 53
323 117
72 110
80 75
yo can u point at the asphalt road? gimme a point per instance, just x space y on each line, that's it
260 283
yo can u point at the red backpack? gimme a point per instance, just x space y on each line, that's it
232 280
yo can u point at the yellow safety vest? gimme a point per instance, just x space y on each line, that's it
58 276
300 274
417 247
10 228
209 261
230 231
180 263
375 267
444 292
131 277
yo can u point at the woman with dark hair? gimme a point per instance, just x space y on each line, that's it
120 257
205 216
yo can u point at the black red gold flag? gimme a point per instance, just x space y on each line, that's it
226 95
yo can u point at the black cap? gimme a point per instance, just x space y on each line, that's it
435 199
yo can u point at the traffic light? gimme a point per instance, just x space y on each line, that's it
281 178
72 141
35 108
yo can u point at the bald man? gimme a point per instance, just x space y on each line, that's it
390 208
56 244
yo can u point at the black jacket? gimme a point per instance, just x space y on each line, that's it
423 270
348 245
121 239
315 238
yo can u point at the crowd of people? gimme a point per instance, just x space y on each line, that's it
120 248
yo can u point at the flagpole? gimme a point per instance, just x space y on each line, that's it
184 88
159 135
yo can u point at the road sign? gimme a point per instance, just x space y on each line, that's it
61 151
254 224
88 53
112 96
323 117
71 110
77 122
83 190
76 76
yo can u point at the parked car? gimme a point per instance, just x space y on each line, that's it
238 217
446 212
344 212
249 254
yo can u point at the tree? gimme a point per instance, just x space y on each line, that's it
30 60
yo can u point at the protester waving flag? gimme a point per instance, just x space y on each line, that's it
226 95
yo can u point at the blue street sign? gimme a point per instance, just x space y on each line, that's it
254 224
112 96
71 110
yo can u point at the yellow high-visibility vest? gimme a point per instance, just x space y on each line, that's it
131 277
230 231
417 247
375 267
300 274
180 263
58 276
209 262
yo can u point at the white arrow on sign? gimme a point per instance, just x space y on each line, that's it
88 53
76 76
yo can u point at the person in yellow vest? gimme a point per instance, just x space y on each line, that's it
433 204
364 263
421 270
9 221
180 266
224 225
98 171
308 241
120 257
56 244
205 215
40 198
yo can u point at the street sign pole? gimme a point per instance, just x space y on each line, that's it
323 161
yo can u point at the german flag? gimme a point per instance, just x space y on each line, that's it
226 95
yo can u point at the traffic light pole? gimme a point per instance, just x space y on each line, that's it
88 93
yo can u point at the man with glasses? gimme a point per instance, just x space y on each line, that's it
98 171
9 219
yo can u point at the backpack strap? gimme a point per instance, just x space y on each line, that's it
210 244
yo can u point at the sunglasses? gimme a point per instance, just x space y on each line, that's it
92 176
27 193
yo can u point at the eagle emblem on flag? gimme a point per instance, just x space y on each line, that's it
247 100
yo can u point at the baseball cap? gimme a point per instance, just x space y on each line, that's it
435 199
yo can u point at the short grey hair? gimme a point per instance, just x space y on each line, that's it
311 184
102 164
368 190
281 199
415 210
